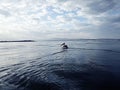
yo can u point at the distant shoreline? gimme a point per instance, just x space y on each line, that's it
17 41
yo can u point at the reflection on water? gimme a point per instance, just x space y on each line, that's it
38 66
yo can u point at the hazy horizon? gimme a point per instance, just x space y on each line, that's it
52 39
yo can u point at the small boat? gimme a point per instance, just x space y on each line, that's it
64 46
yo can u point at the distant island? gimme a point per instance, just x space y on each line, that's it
18 41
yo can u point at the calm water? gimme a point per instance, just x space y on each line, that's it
43 65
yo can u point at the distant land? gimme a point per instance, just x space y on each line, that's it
17 41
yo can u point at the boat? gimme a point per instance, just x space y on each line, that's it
64 46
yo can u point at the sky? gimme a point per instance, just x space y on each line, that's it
48 19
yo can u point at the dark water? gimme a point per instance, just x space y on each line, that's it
43 65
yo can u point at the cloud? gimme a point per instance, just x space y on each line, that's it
99 6
5 13
59 18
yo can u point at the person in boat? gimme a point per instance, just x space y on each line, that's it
64 46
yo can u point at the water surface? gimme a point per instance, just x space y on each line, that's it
44 65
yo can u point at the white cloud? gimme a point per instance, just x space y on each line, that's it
58 18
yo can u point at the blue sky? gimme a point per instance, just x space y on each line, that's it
46 19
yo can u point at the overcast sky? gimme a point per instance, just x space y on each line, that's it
45 19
